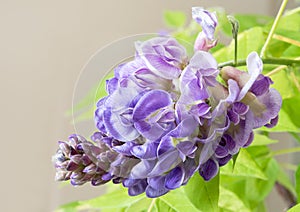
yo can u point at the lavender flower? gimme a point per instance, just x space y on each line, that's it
208 21
166 118
76 160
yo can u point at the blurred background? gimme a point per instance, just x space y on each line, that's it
44 46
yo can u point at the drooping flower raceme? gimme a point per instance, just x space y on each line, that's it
167 117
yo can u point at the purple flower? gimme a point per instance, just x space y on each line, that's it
264 103
166 118
75 160
164 56
197 77
208 21
153 115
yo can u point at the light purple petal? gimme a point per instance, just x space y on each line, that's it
255 66
207 20
145 151
150 108
138 188
164 56
186 147
263 108
153 193
174 178
166 162
142 169
209 169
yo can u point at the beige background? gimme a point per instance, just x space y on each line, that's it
44 44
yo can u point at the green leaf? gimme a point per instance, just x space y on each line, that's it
70 207
291 106
174 19
285 123
203 194
283 84
248 21
257 190
296 208
297 178
260 207
140 205
178 201
246 166
230 201
115 199
260 140
248 41
290 21
291 52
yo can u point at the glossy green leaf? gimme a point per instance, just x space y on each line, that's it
140 205
203 194
285 123
291 107
115 199
291 52
245 165
283 84
174 19
230 201
257 190
290 21
178 201
296 208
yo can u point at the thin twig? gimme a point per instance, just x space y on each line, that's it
277 69
289 198
270 35
294 78
151 205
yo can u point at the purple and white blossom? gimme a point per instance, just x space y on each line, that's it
166 118
208 21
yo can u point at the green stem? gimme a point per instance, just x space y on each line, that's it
235 31
151 205
285 151
279 14
272 61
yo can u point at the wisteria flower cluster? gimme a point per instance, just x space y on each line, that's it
168 116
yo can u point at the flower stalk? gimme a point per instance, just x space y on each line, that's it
235 31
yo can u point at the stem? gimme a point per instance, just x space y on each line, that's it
285 151
274 71
289 166
289 198
295 81
151 205
272 61
279 14
235 31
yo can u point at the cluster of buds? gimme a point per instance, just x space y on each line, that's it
167 117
